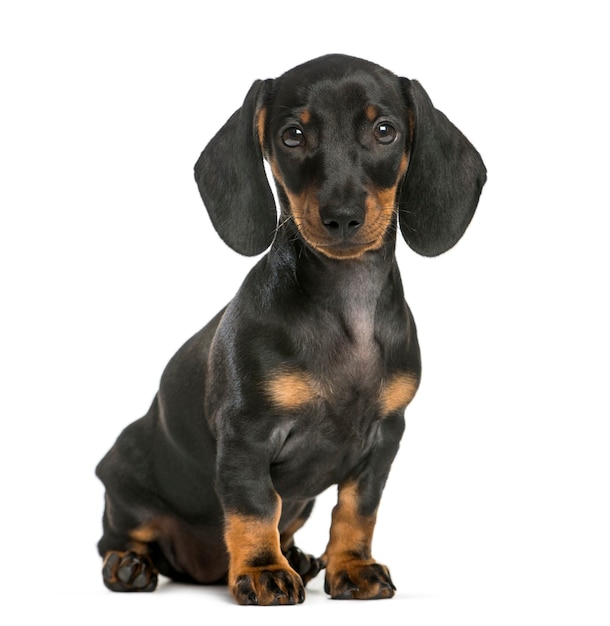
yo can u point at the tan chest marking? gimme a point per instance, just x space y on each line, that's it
397 392
292 390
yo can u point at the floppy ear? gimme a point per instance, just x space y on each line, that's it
446 174
232 180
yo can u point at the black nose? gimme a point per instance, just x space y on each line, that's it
342 222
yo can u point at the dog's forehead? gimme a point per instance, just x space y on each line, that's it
334 79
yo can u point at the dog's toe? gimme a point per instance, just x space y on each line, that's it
129 571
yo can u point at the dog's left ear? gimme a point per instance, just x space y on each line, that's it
444 180
232 182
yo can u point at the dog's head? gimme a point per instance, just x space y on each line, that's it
351 146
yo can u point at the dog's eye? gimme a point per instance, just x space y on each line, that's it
293 137
385 133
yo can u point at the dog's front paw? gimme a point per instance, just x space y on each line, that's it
360 580
128 571
268 586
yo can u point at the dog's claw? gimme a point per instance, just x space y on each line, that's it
252 598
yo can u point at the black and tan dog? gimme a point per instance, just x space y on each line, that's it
301 382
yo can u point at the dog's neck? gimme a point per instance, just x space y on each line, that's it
349 289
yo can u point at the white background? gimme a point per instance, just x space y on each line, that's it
496 511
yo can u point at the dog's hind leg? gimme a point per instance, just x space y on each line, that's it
127 565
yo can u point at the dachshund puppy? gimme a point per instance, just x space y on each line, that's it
302 380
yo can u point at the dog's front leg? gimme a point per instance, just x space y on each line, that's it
258 571
351 571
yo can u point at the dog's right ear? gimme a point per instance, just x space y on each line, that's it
232 182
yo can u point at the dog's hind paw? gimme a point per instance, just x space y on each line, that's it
306 565
129 571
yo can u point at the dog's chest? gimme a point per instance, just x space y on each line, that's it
337 367
331 406
357 359
334 352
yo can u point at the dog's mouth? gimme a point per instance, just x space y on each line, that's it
367 238
343 249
